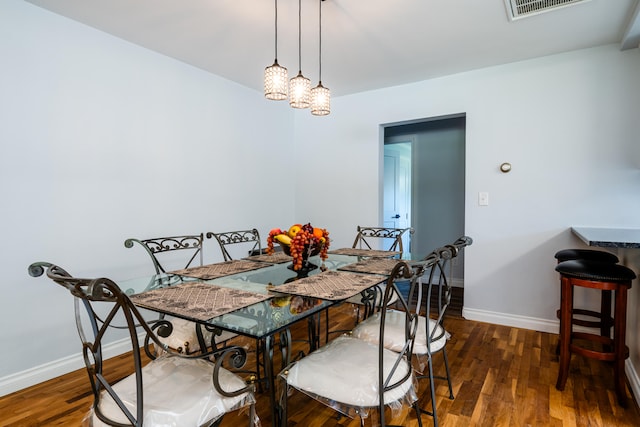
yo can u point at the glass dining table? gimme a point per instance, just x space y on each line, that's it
280 295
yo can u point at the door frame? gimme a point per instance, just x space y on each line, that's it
459 264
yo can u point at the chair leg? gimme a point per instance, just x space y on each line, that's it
281 412
433 393
259 363
446 365
326 319
416 407
252 415
314 325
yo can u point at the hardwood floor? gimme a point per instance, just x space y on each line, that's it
502 376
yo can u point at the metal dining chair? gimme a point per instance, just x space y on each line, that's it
174 389
187 337
247 238
167 246
360 378
250 240
431 301
388 239
374 238
384 238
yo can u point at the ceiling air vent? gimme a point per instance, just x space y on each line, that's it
517 9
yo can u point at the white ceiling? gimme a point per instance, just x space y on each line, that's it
367 44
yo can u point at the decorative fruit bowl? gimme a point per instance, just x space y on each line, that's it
300 242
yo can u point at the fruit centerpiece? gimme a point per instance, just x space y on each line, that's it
301 242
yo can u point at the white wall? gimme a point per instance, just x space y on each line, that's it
103 140
569 126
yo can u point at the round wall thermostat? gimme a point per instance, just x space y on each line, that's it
505 167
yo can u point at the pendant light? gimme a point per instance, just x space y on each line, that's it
276 77
320 95
299 86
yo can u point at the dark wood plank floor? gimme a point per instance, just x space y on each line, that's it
502 376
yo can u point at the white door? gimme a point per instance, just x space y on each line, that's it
397 188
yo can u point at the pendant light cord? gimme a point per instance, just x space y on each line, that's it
320 41
300 36
276 30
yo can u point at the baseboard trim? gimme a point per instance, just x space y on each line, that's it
543 325
633 380
27 378
514 320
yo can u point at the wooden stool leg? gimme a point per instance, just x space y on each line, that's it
605 313
619 331
566 313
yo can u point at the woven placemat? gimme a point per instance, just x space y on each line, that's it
330 285
227 268
365 252
276 258
372 265
197 300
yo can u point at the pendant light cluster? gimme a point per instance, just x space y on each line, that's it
299 89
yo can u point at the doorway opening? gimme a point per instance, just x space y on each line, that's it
424 183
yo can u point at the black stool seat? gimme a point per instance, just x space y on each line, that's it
588 254
594 270
610 279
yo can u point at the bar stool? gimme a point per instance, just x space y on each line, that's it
605 277
604 320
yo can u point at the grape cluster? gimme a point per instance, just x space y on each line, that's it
299 245
325 244
272 233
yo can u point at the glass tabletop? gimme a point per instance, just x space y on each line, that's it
263 318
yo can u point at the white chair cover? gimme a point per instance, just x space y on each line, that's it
394 334
177 392
324 374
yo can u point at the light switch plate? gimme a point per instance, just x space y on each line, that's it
483 198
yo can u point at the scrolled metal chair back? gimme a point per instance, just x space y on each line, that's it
439 289
159 245
236 237
366 235
461 243
104 304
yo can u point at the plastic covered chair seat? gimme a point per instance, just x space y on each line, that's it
369 330
177 392
323 375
